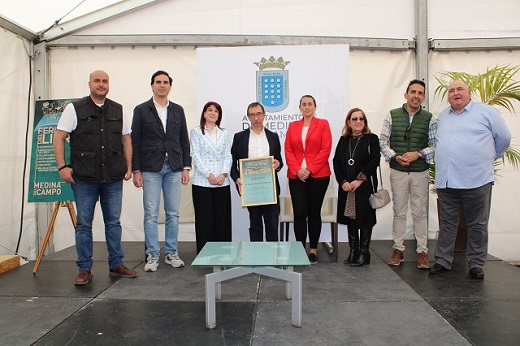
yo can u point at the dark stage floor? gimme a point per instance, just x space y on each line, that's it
371 305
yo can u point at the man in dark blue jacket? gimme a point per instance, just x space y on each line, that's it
161 161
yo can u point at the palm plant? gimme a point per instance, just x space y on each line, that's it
495 86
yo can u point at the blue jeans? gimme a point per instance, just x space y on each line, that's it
110 196
170 183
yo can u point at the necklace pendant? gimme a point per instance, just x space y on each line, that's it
350 162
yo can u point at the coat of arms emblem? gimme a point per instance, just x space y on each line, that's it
272 84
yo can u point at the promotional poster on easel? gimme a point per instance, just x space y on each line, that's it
45 184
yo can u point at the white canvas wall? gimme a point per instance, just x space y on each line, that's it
504 227
14 89
377 78
449 19
371 76
378 81
130 71
353 18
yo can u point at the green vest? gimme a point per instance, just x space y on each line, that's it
416 137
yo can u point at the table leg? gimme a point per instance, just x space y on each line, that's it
288 291
211 282
297 301
218 288
295 280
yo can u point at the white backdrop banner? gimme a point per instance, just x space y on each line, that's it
276 76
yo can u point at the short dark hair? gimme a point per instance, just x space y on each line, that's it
158 73
416 81
254 104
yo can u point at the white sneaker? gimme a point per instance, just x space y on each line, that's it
151 264
174 260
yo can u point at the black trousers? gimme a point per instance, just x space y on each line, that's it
270 214
307 199
212 214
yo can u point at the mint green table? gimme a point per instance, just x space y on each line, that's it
271 259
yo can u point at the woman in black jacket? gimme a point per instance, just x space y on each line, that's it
355 163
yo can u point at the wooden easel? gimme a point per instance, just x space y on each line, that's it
57 206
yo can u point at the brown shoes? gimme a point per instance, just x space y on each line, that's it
397 258
422 261
83 278
123 271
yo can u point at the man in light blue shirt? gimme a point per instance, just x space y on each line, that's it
470 137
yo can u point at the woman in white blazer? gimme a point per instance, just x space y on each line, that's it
211 160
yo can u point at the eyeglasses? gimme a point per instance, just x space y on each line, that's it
408 133
356 119
259 115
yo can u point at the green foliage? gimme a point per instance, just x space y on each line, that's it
495 86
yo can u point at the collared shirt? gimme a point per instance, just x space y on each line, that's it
468 143
258 144
386 132
162 112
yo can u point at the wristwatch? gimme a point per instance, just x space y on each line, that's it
420 154
225 174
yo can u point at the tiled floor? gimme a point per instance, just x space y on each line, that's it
370 305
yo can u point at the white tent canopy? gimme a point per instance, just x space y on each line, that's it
391 43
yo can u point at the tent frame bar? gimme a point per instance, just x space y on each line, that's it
356 43
230 40
501 43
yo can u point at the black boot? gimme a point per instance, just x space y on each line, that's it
364 247
353 242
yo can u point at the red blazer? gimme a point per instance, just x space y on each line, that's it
318 144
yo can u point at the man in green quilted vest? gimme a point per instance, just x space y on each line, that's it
408 143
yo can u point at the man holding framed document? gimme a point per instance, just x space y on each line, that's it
258 181
260 148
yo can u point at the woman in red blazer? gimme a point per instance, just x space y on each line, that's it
307 149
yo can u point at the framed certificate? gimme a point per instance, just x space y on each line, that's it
258 181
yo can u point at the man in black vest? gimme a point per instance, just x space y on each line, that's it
161 161
100 158
408 143
258 142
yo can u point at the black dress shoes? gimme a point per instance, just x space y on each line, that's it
438 268
476 273
313 258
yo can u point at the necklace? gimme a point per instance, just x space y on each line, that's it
351 153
